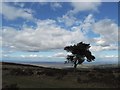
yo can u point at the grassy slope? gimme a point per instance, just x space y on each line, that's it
28 76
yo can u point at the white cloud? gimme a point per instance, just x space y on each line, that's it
25 56
84 25
33 55
108 31
53 5
108 39
60 54
100 41
87 23
85 6
12 13
67 19
47 35
111 56
56 5
97 48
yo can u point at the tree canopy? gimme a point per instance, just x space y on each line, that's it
79 52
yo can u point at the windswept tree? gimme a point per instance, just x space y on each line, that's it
79 53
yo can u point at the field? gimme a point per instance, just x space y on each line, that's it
20 76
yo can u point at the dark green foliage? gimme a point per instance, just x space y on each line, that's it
79 52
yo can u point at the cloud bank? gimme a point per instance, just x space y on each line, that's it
48 34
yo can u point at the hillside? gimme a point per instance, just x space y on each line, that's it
29 76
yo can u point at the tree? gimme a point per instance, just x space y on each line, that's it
79 52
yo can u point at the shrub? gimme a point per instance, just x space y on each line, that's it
10 87
79 79
19 71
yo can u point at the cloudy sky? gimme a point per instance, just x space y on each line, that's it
40 30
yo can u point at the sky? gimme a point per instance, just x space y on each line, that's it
39 31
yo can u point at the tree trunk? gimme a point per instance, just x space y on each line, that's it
75 64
